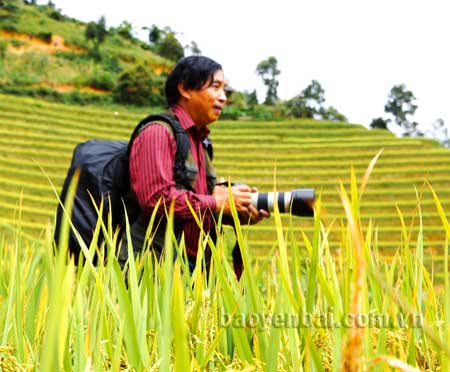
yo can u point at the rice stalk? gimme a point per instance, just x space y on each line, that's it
352 354
353 350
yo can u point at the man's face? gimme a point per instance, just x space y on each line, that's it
205 105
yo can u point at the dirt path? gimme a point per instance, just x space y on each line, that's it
67 88
34 43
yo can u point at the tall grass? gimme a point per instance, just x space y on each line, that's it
315 309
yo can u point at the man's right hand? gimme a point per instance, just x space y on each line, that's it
241 195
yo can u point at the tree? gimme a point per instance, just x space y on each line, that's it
165 43
401 104
379 123
140 87
313 97
170 47
194 49
268 71
439 132
309 104
251 98
332 114
96 32
125 29
314 93
154 34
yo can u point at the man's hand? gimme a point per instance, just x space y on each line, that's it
241 195
242 198
254 215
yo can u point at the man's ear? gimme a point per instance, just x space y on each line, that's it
183 92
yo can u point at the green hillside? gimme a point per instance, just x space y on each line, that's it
296 154
45 53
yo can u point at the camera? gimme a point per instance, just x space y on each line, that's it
298 202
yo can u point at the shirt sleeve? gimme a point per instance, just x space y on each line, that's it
151 165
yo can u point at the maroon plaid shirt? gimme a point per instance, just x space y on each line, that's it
151 173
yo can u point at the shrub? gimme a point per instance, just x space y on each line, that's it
116 40
95 54
125 30
102 80
231 113
75 97
145 46
19 77
10 6
128 58
3 48
9 25
262 112
17 43
56 15
46 36
73 57
111 64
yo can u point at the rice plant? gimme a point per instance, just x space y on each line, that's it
310 308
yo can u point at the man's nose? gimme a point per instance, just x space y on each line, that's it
222 95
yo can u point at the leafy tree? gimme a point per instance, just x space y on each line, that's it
155 34
170 47
308 103
165 43
268 71
313 98
140 87
96 32
125 29
401 104
296 107
379 123
193 47
439 132
332 114
251 98
314 94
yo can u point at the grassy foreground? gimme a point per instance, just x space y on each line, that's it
302 311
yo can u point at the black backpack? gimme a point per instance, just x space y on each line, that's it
104 175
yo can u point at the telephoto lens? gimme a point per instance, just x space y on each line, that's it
298 202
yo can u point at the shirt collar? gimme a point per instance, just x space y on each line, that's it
187 123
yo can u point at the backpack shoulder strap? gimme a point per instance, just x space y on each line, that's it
181 140
207 145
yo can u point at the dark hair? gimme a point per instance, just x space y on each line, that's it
193 72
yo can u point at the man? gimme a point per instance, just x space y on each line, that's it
195 92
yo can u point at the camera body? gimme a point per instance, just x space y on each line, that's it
298 202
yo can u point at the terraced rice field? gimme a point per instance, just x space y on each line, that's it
291 154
